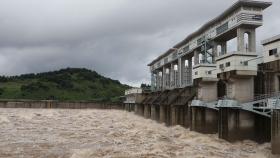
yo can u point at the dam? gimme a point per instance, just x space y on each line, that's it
201 84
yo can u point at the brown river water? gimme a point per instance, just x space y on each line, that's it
60 133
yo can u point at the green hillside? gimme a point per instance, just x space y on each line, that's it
64 84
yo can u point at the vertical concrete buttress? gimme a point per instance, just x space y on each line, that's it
237 124
153 112
275 132
204 120
162 114
147 111
174 116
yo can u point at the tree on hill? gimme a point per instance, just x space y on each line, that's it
64 84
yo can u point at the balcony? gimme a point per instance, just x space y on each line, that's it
204 71
244 63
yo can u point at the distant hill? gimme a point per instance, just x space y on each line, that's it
65 84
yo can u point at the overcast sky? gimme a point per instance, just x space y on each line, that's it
117 38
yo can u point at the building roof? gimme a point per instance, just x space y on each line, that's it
238 4
271 39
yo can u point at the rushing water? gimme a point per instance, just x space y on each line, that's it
51 133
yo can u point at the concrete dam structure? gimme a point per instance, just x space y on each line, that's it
202 85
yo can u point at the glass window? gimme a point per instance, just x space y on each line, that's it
272 51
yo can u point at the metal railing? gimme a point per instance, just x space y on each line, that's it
266 96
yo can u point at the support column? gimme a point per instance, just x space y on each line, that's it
153 82
275 132
162 114
196 57
160 80
153 112
126 107
237 124
189 72
240 89
215 51
204 120
167 78
240 40
197 121
174 116
207 91
187 115
147 111
140 109
157 111
135 108
183 72
251 40
164 77
180 72
224 48
172 79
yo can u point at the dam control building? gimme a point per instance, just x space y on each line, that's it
201 84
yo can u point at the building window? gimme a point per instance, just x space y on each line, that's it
186 48
196 73
221 66
272 51
257 17
158 64
200 40
222 28
209 72
228 64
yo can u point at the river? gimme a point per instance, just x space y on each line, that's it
90 133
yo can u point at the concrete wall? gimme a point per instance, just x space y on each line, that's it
147 111
207 91
241 89
275 137
162 116
139 109
270 58
236 124
56 104
204 120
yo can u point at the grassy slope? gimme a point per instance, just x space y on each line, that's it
65 84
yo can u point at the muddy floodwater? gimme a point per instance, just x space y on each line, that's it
58 133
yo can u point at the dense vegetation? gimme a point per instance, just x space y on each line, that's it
64 84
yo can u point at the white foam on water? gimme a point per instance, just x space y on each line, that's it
62 133
4 119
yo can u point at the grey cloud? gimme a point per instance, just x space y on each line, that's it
117 38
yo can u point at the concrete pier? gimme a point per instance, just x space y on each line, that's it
275 133
139 109
157 112
153 112
178 114
162 112
168 112
187 116
204 120
236 124
147 111
241 88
